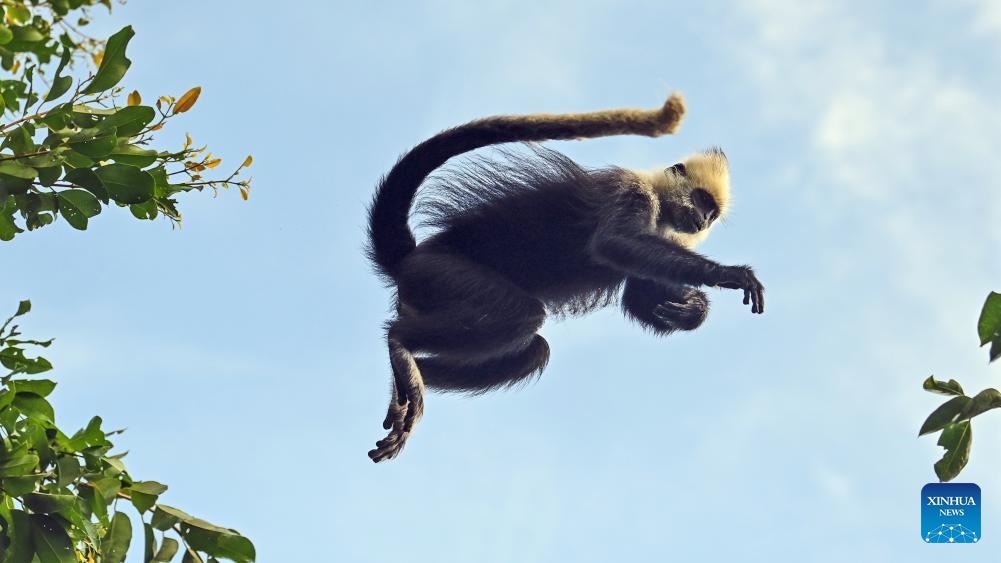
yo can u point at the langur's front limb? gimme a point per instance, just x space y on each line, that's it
626 242
664 308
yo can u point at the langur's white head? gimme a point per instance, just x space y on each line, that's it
693 195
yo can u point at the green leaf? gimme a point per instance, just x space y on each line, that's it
115 467
15 360
149 545
126 183
62 7
191 557
92 113
176 513
18 466
946 413
235 548
983 401
8 420
21 549
989 325
107 488
145 211
164 520
160 176
8 230
80 524
217 541
114 64
59 87
77 206
60 84
952 387
145 493
48 160
52 543
5 35
205 525
88 180
149 487
38 220
48 503
167 550
49 175
26 34
204 536
68 469
15 188
89 437
77 160
40 387
23 307
129 120
131 154
17 170
34 407
116 544
19 13
21 139
96 148
56 119
142 501
19 486
957 439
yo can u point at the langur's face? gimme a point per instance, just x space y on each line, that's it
689 211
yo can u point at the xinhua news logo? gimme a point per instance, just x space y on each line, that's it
950 513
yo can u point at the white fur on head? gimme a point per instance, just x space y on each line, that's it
708 170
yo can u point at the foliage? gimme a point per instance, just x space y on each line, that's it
989 326
59 493
953 418
67 147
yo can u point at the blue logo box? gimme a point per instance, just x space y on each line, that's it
950 513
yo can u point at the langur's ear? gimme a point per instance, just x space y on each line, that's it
679 169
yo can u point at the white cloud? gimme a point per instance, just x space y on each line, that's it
987 17
897 142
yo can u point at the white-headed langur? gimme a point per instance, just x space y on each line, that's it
530 234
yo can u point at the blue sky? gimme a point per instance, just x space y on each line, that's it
244 352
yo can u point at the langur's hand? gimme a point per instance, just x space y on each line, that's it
742 277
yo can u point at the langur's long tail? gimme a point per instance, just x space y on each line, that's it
390 237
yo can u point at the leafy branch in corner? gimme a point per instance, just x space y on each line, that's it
953 418
59 493
68 148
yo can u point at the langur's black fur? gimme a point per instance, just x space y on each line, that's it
534 234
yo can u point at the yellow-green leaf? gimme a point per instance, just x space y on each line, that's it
185 102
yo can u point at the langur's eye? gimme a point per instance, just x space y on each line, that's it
679 169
